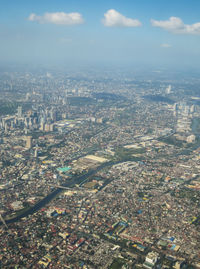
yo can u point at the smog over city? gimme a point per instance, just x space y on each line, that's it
99 134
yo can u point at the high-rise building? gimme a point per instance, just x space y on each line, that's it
192 109
175 107
42 125
19 112
47 127
6 127
29 142
36 153
168 89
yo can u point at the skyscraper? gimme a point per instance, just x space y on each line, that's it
168 89
19 112
29 142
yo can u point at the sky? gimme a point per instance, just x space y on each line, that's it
121 32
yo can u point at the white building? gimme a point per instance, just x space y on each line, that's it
191 139
29 142
151 260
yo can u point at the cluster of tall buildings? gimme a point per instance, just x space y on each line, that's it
41 119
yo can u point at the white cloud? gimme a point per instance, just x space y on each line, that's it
165 45
113 18
60 18
177 26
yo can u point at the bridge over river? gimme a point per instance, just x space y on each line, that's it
69 184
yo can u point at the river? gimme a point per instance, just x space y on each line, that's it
48 198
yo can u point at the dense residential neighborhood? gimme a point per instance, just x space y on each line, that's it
98 173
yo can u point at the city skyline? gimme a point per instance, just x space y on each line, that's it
111 32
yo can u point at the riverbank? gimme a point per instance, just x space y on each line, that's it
69 184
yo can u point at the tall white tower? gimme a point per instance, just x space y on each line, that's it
19 112
168 89
29 142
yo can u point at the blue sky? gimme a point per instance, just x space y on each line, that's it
145 32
